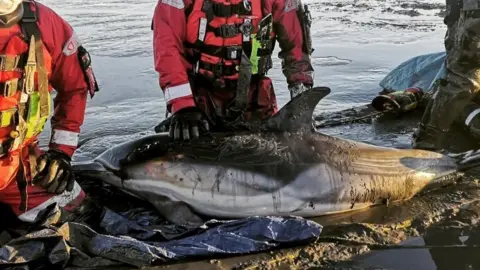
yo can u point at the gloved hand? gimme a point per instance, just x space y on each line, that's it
54 172
186 123
297 89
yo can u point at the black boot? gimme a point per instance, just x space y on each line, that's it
428 138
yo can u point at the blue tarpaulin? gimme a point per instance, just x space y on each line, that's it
420 71
140 237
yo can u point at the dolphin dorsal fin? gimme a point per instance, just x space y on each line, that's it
297 114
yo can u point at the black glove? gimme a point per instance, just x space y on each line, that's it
54 172
187 122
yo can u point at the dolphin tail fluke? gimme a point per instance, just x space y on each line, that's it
467 160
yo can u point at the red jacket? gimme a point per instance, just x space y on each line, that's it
67 79
169 23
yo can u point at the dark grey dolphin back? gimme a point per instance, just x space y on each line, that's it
297 114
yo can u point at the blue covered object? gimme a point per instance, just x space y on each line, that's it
421 71
143 239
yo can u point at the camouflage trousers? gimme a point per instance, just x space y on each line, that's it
462 81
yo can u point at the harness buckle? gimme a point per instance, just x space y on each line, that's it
247 5
233 52
218 69
30 20
16 61
8 89
246 28
29 16
228 30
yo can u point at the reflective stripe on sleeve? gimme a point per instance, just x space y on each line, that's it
65 137
178 91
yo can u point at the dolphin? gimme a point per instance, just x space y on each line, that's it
284 167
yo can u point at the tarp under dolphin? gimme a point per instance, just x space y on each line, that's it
139 237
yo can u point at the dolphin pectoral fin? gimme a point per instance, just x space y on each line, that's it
176 212
297 114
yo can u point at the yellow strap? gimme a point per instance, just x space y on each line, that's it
29 84
35 63
6 117
42 80
10 87
33 115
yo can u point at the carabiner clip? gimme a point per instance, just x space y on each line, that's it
247 5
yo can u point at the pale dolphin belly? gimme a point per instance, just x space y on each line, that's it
231 192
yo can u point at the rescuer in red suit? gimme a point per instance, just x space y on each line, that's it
39 53
213 55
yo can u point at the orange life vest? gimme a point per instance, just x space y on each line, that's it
217 32
25 102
